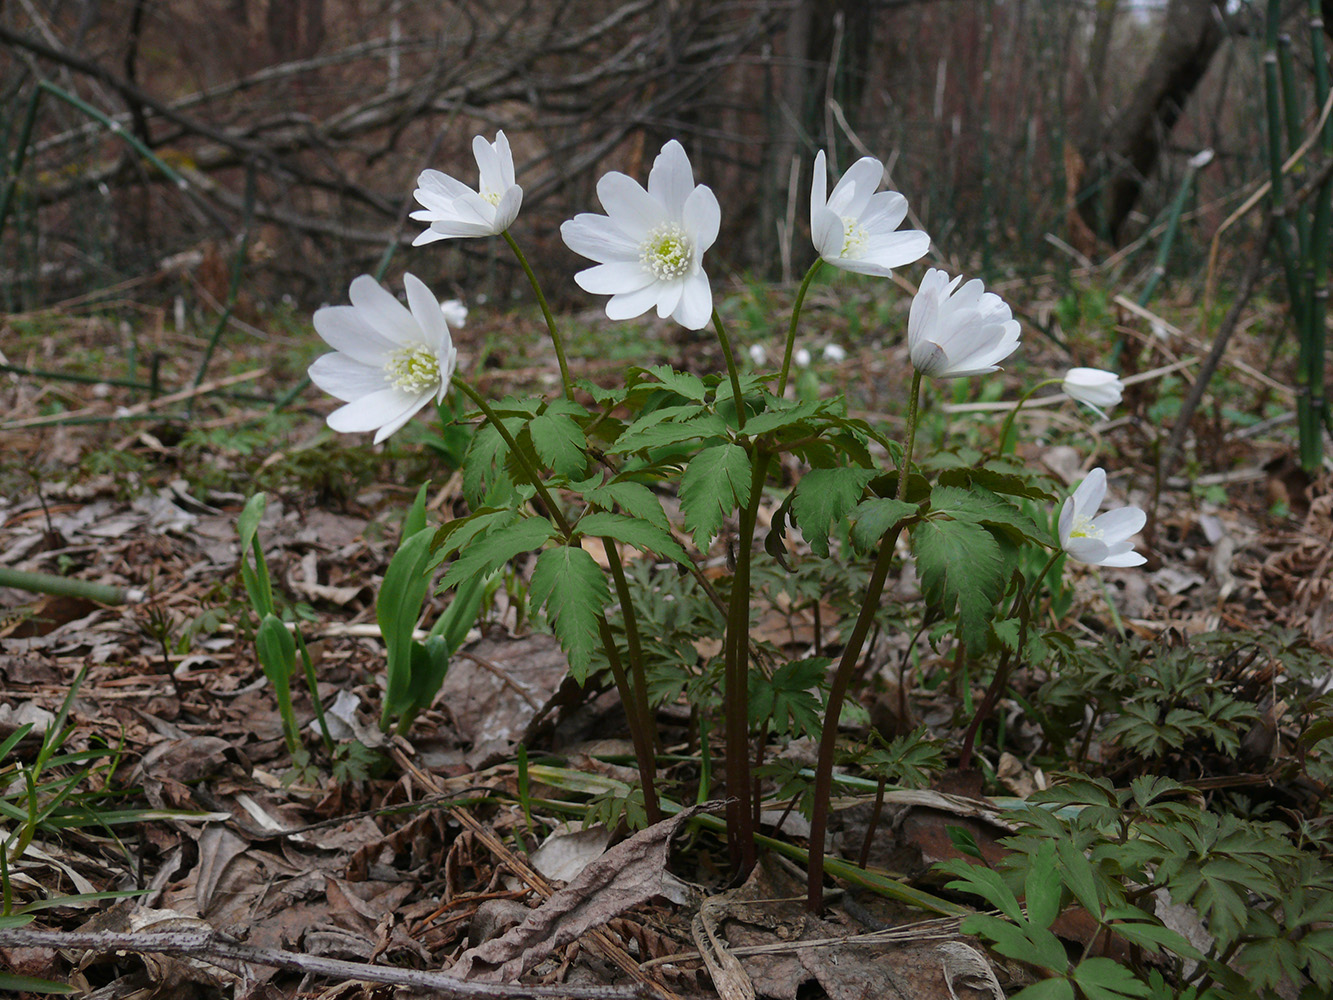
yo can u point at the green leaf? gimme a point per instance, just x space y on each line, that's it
10 981
635 499
980 506
1077 873
660 427
1021 941
1048 989
1134 925
824 496
430 663
397 608
277 651
1107 979
560 442
716 482
873 517
997 482
1041 887
496 548
960 564
681 383
569 583
255 577
415 519
785 700
780 418
632 531
983 882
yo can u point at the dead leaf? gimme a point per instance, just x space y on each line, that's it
627 875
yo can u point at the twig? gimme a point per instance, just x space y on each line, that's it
200 940
138 408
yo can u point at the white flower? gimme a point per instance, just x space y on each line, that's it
856 228
1104 540
801 357
650 244
387 362
1099 389
455 313
451 208
758 355
834 353
954 332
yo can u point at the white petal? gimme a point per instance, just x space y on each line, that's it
488 166
453 228
614 278
1090 493
668 297
895 249
627 305
345 379
507 210
818 192
440 185
1088 550
1066 523
429 236
391 426
827 234
344 329
370 412
671 180
598 238
696 302
701 218
382 311
1121 523
426 310
853 193
1119 559
886 211
630 207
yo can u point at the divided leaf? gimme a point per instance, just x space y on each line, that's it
639 533
635 499
873 517
716 482
570 584
824 496
981 506
559 441
960 564
493 550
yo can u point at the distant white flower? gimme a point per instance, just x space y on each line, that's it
455 313
1104 540
856 228
451 208
801 357
650 244
954 332
758 355
834 353
387 362
1099 389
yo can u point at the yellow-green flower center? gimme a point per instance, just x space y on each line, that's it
493 197
854 238
413 369
667 252
1084 528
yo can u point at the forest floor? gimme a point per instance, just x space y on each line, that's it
405 852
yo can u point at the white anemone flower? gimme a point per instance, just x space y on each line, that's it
450 208
856 227
387 362
455 313
1099 540
834 353
1099 389
801 357
954 332
758 355
649 246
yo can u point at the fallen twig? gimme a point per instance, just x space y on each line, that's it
199 940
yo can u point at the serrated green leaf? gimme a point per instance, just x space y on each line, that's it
983 882
1134 925
1078 874
1048 989
453 535
635 499
1006 483
1041 887
495 548
1107 979
632 531
668 425
573 589
681 383
559 442
873 517
824 496
715 483
960 564
980 506
780 418
785 701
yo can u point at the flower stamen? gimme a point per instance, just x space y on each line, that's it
1084 528
412 369
667 252
854 237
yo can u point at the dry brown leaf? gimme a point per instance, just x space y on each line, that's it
627 875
